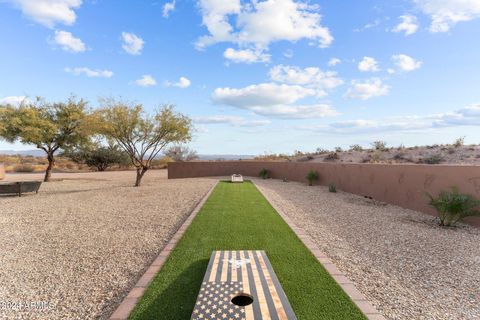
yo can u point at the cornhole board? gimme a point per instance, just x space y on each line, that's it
237 178
241 285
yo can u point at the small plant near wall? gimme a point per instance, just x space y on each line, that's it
263 173
453 206
312 176
459 142
434 159
332 188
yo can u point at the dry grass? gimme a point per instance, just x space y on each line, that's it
26 164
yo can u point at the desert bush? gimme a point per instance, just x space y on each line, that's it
181 153
24 168
332 188
451 151
459 142
434 159
321 151
161 163
100 158
453 206
263 173
331 156
312 176
376 157
379 145
356 147
366 159
399 156
338 149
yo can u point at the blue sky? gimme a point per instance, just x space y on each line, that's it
258 76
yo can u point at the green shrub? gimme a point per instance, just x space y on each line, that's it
312 176
100 158
452 206
379 145
399 156
263 173
332 156
24 168
434 159
332 188
356 147
459 142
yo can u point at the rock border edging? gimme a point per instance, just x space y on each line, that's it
127 305
348 286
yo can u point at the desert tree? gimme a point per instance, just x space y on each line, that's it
48 126
181 153
141 135
98 156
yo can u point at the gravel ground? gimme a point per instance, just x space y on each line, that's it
75 249
406 265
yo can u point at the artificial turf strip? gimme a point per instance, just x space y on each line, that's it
238 217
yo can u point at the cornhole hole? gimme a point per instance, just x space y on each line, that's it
237 178
241 285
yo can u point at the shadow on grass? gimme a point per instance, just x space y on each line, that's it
177 300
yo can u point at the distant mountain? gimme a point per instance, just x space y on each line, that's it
35 153
209 157
206 157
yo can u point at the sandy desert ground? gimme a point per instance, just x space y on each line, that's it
76 248
406 265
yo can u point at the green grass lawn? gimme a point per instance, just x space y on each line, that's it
238 217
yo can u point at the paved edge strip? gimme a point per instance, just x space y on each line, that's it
348 286
130 301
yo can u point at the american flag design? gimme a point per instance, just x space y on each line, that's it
246 273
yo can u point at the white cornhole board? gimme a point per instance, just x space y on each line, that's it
237 178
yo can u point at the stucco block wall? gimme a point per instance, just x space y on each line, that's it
402 185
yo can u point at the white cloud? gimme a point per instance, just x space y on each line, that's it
132 44
232 120
49 12
368 64
408 25
288 53
310 77
183 83
146 81
246 56
406 63
13 100
259 23
467 116
68 42
89 72
167 8
312 111
368 89
271 99
264 94
447 13
333 62
369 25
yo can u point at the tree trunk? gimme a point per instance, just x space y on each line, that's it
140 173
51 163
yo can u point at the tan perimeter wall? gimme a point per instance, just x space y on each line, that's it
2 171
402 185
